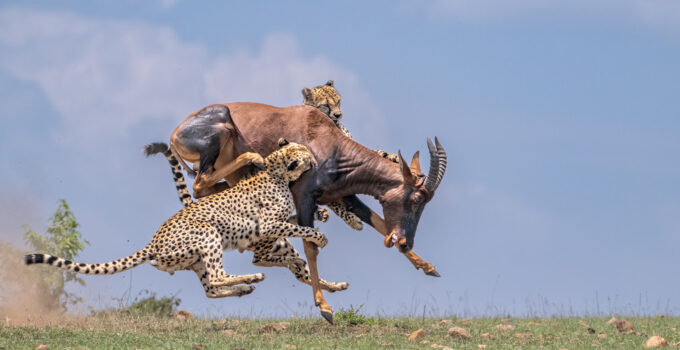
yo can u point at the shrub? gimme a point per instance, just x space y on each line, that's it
352 317
62 239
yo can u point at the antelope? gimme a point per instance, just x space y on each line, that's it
224 137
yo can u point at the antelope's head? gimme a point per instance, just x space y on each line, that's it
403 205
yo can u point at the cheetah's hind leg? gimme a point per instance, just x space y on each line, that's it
214 270
212 291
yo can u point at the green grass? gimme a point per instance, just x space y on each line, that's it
352 331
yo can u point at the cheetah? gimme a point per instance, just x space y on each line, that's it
280 250
251 216
327 100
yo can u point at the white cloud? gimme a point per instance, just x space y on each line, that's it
664 14
105 76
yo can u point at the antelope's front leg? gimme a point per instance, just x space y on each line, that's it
367 215
306 206
313 239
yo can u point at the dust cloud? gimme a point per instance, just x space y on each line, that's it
21 301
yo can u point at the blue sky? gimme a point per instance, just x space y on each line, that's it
560 119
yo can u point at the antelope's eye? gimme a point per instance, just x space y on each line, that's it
417 197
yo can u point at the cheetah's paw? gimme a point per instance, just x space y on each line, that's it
242 290
322 214
321 240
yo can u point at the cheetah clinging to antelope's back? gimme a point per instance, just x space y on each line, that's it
252 215
327 100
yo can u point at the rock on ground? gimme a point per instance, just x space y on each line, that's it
459 332
183 315
42 347
275 327
655 342
624 326
505 327
417 334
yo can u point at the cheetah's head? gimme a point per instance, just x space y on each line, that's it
325 98
289 161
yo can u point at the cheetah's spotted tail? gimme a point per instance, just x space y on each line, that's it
178 176
107 268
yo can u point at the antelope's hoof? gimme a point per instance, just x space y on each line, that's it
328 316
433 273
388 241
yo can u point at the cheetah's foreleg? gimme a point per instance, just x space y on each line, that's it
287 256
347 216
284 229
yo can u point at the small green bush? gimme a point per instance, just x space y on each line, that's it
148 304
352 317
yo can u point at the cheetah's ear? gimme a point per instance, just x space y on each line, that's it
329 83
292 165
283 142
306 93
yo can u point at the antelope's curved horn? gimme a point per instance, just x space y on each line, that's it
437 165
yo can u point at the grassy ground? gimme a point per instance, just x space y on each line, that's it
351 331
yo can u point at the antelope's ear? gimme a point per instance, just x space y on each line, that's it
329 83
415 164
283 142
306 93
405 171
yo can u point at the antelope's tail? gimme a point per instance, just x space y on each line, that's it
177 175
107 268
